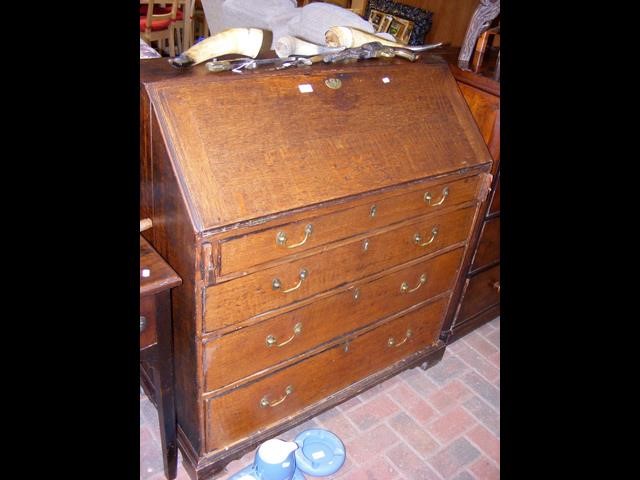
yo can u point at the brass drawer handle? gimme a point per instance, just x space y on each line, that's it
276 284
428 198
404 288
392 341
264 402
496 285
373 211
272 340
281 237
417 238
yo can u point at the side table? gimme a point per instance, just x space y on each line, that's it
157 279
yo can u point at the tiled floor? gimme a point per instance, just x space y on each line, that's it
443 423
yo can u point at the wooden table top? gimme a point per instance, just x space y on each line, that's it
155 274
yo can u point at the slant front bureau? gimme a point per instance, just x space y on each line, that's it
318 217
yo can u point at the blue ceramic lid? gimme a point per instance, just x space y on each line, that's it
321 452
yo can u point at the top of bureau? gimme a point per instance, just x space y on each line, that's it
248 146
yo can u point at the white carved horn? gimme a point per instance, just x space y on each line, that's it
350 37
242 41
289 45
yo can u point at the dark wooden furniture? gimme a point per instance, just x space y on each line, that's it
318 217
156 352
479 297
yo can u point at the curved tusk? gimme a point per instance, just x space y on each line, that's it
243 41
288 45
350 37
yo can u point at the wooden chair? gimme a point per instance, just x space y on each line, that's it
356 6
159 24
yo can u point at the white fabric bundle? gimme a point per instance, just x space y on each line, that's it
282 17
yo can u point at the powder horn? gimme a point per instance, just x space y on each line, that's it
350 37
288 45
249 42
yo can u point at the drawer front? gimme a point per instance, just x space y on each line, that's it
245 297
240 253
488 250
352 307
148 335
481 292
255 406
494 207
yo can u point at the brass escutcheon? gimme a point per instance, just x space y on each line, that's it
373 211
333 83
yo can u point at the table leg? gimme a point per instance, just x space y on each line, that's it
165 392
189 6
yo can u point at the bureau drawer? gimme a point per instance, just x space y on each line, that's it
481 292
352 307
255 406
148 335
240 253
245 297
488 250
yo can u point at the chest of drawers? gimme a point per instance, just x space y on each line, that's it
319 235
478 298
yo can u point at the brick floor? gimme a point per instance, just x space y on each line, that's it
440 424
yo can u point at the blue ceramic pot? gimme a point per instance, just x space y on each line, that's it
275 460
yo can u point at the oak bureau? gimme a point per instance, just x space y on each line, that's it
318 217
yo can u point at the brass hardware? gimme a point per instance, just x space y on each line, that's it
281 237
346 347
417 238
373 211
271 340
392 342
264 402
496 285
276 283
404 288
333 83
427 197
365 245
143 323
356 294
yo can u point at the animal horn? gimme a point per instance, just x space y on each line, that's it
288 45
350 37
242 41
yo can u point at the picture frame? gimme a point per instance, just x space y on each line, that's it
412 25
385 23
401 29
375 17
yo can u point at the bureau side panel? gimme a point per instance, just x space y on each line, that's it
175 240
146 178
